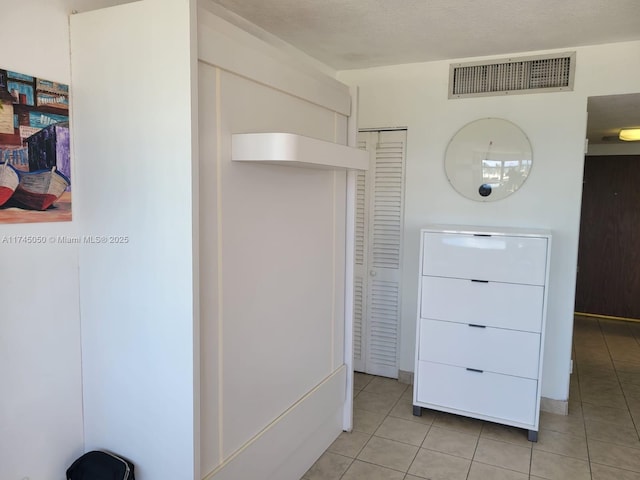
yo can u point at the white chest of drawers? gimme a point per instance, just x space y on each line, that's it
481 321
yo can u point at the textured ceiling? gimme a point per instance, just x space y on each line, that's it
347 34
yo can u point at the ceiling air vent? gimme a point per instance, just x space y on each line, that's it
543 73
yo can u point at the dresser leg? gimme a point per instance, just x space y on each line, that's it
532 435
417 411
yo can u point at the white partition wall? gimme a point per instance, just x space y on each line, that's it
132 115
213 318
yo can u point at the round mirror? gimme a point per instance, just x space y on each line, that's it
488 159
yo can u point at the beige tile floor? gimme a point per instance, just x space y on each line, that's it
598 440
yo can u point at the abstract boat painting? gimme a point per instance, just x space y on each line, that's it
35 149
9 181
39 190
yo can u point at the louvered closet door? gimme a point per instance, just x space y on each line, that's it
379 215
360 270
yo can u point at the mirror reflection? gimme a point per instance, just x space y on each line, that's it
488 159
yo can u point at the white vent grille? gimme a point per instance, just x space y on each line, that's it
512 75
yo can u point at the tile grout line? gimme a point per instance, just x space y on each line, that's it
624 394
584 423
475 450
593 338
388 415
603 336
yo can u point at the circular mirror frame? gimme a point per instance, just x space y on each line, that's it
488 159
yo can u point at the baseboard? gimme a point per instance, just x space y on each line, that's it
288 447
559 407
405 377
607 317
310 450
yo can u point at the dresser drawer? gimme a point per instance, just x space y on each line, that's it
489 349
488 394
504 305
499 258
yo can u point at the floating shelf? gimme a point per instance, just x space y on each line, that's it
296 150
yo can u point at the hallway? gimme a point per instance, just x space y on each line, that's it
598 440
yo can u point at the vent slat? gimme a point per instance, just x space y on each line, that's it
358 302
361 213
548 73
383 346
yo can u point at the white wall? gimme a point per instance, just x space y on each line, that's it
132 80
134 167
415 96
40 375
616 149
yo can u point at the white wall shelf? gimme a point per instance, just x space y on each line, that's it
296 150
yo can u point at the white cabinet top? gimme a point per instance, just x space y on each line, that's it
484 230
486 253
296 150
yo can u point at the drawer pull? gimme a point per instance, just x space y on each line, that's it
477 326
479 281
474 370
481 234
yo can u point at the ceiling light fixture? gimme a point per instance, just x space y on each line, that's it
629 134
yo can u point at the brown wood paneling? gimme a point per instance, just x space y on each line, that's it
608 281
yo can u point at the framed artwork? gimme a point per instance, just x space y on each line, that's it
35 160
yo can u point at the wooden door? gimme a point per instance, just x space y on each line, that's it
378 253
608 281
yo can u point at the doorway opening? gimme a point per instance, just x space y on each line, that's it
608 277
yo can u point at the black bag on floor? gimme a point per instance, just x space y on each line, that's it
98 465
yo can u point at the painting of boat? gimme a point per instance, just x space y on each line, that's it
8 182
40 189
